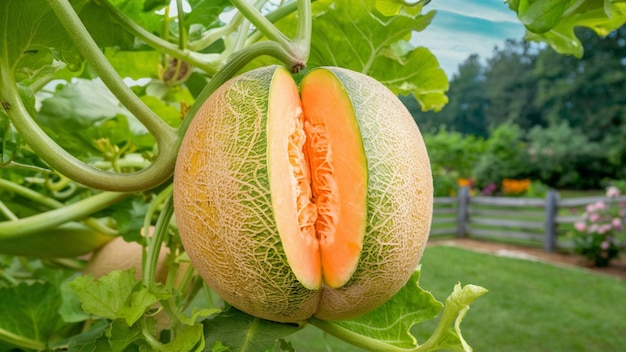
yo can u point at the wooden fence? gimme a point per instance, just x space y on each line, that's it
537 221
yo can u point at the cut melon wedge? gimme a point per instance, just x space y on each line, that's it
318 177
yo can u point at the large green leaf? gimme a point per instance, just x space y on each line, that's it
379 46
29 30
389 326
33 37
206 13
392 321
85 111
116 295
242 332
31 312
134 64
553 21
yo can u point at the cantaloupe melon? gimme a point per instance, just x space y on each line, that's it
121 255
294 203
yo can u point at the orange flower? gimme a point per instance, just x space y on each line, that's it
464 182
511 186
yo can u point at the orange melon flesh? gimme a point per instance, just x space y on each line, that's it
299 242
343 211
315 144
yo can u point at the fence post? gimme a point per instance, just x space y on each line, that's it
462 211
552 208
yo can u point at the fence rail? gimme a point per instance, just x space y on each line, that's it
543 221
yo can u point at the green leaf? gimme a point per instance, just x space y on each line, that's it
138 302
91 340
11 140
286 346
388 327
378 46
30 312
553 21
189 337
242 332
116 295
104 29
34 37
71 310
134 64
542 16
197 314
388 7
394 7
392 321
29 30
129 216
446 336
219 347
121 335
84 111
79 239
79 105
206 13
166 112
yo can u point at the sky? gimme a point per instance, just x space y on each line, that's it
464 27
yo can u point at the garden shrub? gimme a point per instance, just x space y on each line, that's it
599 236
564 157
504 156
558 156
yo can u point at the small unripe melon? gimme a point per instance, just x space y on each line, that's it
293 203
121 255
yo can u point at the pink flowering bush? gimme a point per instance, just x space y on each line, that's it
599 236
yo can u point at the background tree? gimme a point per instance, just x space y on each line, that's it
589 93
465 112
510 85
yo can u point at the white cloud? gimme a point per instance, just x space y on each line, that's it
460 29
491 10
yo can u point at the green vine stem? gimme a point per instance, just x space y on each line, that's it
4 210
92 223
158 236
30 194
33 168
354 338
182 31
155 344
302 40
73 212
157 42
92 53
261 23
212 35
21 341
300 45
131 160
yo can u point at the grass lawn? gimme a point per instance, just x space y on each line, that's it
530 306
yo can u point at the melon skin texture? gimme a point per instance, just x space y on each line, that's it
228 223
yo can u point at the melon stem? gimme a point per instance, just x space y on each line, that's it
354 338
261 23
160 231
